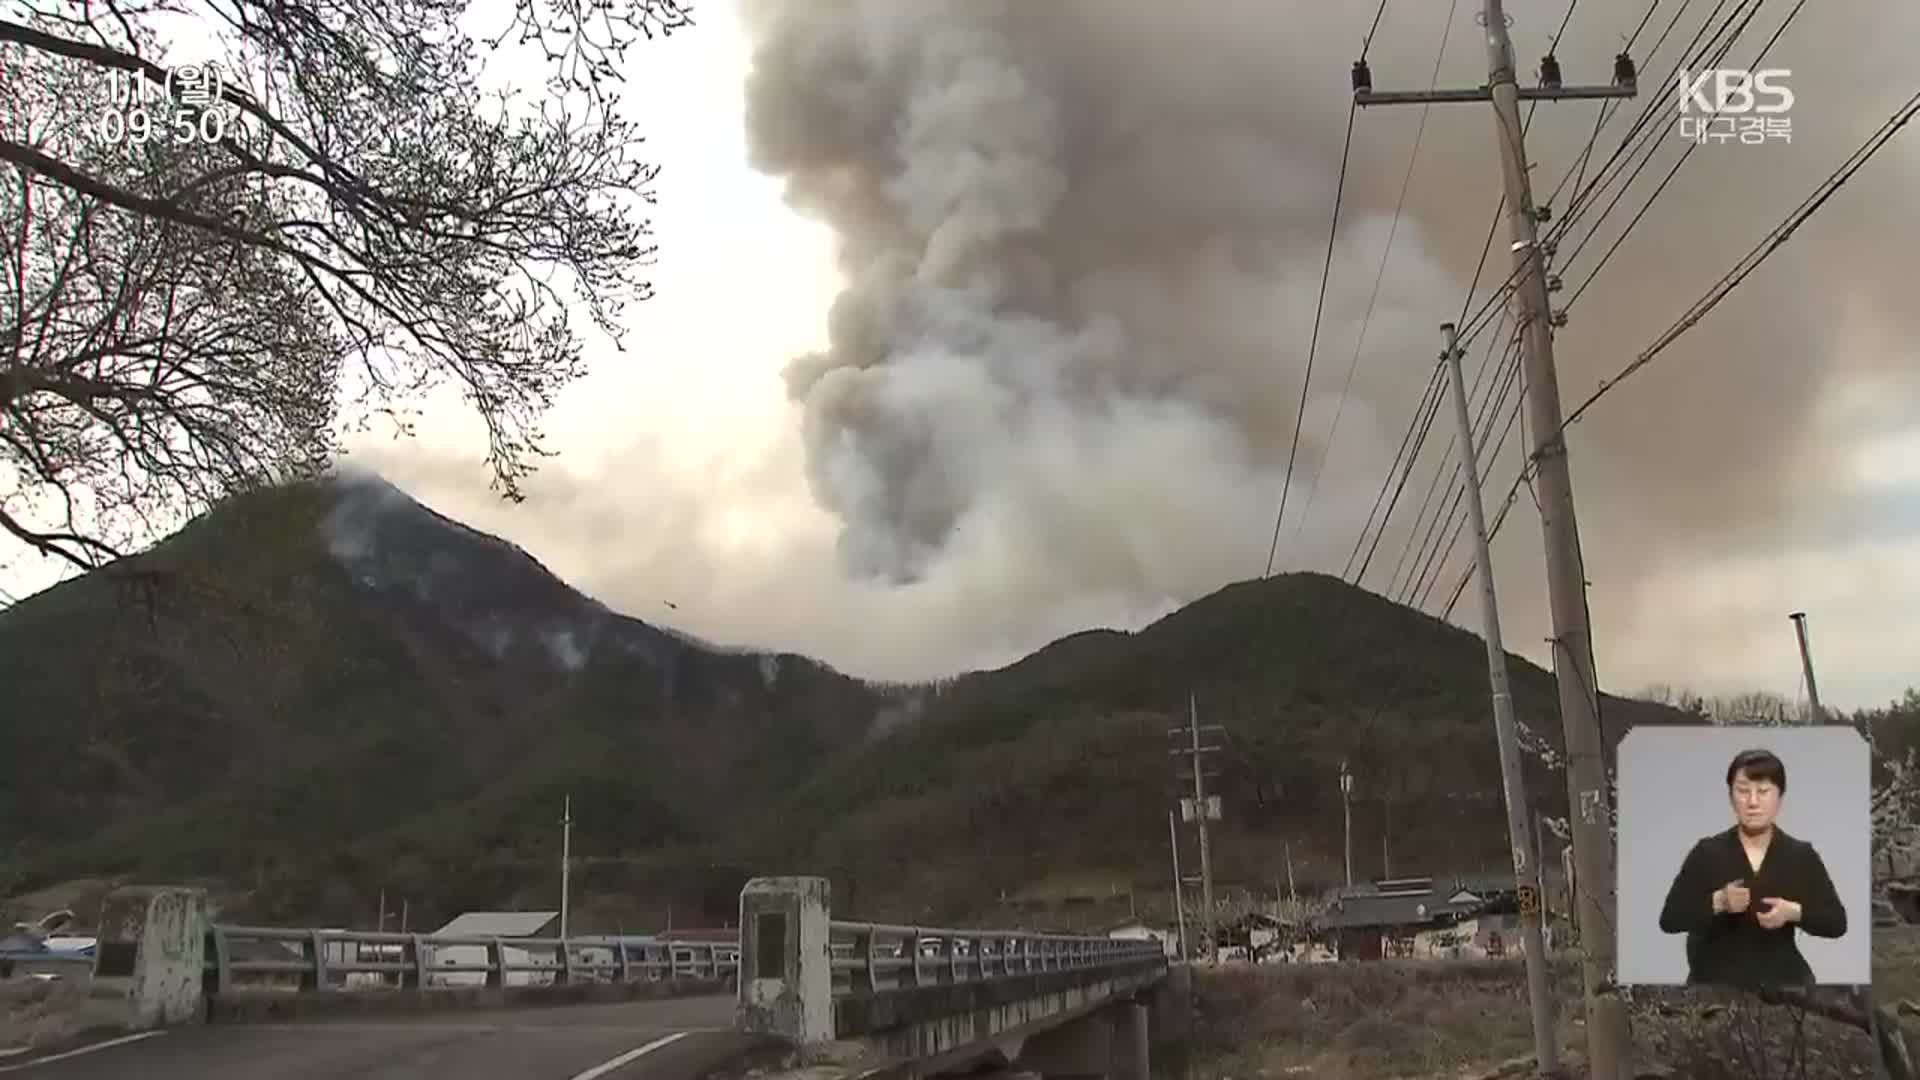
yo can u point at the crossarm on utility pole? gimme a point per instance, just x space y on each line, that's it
1485 94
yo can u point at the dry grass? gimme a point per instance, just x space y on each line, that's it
1376 1020
1427 1020
1896 974
37 1013
1896 962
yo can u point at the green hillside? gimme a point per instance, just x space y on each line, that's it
319 693
1058 767
314 693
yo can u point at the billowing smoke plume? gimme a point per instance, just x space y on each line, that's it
1072 331
1082 241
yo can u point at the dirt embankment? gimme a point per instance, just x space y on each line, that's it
36 1013
1468 1019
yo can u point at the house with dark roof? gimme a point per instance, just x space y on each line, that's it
1380 919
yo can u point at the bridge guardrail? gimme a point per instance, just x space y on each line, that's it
808 978
326 960
876 957
26 963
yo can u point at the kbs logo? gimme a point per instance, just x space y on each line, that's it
1724 104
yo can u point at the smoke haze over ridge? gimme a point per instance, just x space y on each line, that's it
1081 242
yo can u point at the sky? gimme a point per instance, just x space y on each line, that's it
978 325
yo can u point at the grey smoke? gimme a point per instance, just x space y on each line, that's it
1083 239
1064 330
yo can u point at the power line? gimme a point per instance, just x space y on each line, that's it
1424 424
1435 382
1554 47
1506 378
1313 343
1366 320
1416 540
1671 173
1652 135
1372 30
1483 428
1772 242
1643 25
1422 413
1639 133
1769 244
1514 414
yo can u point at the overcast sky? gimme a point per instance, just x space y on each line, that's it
938 485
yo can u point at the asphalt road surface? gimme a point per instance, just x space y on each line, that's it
671 1039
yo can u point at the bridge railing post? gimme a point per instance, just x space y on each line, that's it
497 959
415 955
315 977
786 959
149 959
220 971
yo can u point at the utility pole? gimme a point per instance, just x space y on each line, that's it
1386 827
1588 797
1202 810
1346 815
1179 891
1507 733
566 863
1815 714
1292 896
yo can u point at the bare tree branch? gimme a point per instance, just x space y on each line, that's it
180 320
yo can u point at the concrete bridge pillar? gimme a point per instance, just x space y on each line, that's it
1133 1056
1080 1050
786 959
149 958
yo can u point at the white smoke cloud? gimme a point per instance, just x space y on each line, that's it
1082 243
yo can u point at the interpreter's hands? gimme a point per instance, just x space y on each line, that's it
1775 913
1733 898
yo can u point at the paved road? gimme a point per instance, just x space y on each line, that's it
676 1039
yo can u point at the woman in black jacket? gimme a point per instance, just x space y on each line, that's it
1741 894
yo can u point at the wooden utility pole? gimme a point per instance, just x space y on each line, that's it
1526 868
1883 1022
1346 815
1588 796
566 862
1179 889
1202 809
1386 827
1815 714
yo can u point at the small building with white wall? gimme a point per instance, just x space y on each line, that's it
505 925
1169 938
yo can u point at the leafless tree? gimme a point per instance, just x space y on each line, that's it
181 319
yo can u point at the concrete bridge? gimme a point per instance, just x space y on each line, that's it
169 994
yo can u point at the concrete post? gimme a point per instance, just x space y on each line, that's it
786 961
1133 1040
150 958
1079 1050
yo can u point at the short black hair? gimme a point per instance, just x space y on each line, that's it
1758 765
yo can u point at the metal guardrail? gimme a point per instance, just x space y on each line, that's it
326 960
873 958
27 963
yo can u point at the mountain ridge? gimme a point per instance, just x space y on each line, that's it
315 693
